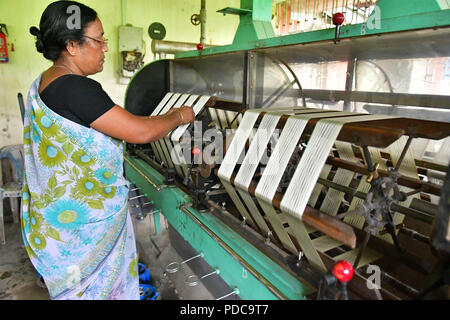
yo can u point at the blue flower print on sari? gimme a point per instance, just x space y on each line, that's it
25 222
67 214
66 253
27 136
105 176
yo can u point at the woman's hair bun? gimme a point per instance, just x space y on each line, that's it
39 43
35 32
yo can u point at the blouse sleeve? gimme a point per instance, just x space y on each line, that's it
87 100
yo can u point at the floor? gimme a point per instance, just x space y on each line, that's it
18 280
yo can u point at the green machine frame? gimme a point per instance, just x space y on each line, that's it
246 269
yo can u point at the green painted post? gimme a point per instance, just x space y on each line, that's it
255 25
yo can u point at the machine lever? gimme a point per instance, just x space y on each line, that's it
194 280
235 291
338 19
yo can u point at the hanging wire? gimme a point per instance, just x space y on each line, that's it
345 9
291 24
286 17
358 12
300 14
277 13
306 10
292 14
365 9
353 11
296 21
315 10
286 27
325 10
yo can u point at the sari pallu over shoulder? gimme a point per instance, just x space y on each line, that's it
75 221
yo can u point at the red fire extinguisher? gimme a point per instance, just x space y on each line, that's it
3 44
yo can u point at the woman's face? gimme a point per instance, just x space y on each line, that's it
92 51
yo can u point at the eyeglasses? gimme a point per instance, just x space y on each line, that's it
103 42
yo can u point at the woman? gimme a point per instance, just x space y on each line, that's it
75 221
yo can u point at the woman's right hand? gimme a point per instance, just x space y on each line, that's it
187 114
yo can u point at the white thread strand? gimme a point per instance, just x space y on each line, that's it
162 104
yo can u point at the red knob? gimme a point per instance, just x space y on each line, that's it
199 46
196 151
343 271
338 18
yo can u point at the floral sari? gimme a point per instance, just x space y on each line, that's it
75 221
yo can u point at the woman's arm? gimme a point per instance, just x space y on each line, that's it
161 115
123 125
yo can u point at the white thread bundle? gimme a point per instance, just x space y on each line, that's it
168 99
342 177
172 150
281 154
314 157
256 150
166 145
237 144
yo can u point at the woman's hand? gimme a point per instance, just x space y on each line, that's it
187 114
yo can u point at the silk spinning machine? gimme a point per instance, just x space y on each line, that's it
317 167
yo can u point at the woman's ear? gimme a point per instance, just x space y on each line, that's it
72 47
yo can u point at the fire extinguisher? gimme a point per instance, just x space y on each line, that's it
3 44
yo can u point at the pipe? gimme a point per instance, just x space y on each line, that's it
172 47
123 12
203 22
